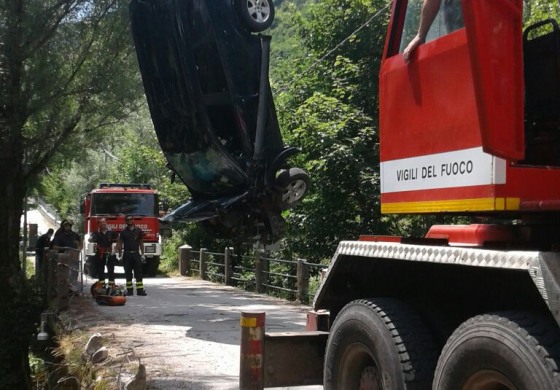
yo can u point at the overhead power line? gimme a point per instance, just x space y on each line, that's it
328 53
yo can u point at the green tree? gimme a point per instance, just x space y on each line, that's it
128 153
329 111
67 70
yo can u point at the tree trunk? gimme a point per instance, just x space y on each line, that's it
19 308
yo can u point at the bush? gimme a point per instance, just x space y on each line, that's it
170 258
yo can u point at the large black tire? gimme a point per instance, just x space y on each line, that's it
256 15
379 343
291 185
150 267
502 351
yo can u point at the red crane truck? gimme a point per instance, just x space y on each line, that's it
469 127
113 202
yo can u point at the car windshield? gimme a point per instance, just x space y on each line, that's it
208 171
129 203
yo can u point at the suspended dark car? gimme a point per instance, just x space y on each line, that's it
205 75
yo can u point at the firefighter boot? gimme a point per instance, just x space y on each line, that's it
129 290
140 289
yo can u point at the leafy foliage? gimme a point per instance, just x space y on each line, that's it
337 142
330 114
537 10
66 73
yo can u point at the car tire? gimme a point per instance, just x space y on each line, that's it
291 185
379 343
511 350
256 15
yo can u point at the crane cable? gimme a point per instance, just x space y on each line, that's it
318 61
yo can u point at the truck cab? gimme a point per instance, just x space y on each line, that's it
471 124
469 127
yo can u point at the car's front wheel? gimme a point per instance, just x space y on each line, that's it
257 15
292 186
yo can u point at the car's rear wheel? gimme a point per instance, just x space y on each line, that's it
292 186
257 15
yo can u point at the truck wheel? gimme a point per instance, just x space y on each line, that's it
151 266
502 351
380 343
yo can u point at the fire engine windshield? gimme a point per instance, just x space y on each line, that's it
129 203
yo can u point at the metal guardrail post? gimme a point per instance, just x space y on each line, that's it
259 274
228 266
203 266
251 367
302 281
184 259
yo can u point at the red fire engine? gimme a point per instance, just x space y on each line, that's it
113 202
471 127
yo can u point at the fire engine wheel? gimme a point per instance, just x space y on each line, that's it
502 351
292 186
376 344
150 267
256 15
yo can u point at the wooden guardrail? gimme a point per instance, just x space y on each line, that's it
287 278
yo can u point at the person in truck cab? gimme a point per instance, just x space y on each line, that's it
452 15
104 238
131 246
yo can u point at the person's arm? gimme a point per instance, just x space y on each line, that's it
430 8
39 244
118 247
78 240
141 242
56 243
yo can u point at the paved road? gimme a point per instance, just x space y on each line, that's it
42 219
186 331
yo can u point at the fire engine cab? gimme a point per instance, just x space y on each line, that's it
113 202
